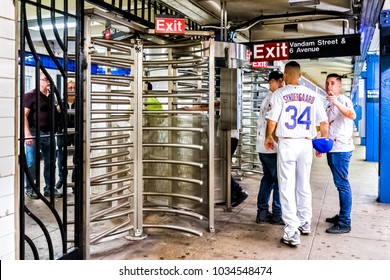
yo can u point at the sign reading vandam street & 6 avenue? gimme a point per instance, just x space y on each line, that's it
334 46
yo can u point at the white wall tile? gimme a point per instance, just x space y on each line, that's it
8 143
8 257
7 108
7 9
7 166
7 48
7 87
8 29
7 69
7 187
7 245
7 128
7 205
7 225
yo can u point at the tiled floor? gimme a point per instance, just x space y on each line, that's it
237 236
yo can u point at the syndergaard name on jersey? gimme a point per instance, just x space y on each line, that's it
299 97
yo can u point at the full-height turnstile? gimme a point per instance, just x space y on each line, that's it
149 166
252 95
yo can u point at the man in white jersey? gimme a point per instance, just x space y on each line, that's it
340 115
291 121
269 181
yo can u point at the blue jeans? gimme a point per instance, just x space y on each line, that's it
30 158
268 183
60 159
339 165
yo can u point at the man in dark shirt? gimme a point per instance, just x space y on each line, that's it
31 125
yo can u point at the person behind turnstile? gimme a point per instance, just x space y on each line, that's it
238 194
70 139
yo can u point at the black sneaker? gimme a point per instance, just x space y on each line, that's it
57 194
333 220
262 216
276 220
239 198
59 185
32 195
337 229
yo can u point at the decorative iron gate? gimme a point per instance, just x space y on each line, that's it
51 219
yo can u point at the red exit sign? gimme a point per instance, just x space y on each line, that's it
260 64
271 51
165 25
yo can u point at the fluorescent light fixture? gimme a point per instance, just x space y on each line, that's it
50 26
299 3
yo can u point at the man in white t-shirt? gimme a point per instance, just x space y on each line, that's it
269 181
341 114
294 112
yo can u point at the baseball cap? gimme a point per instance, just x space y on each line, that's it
323 145
275 75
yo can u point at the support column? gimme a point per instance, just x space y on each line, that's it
372 108
384 123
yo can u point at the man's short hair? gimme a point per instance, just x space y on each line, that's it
293 64
334 75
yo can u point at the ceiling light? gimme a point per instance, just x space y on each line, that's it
50 26
297 3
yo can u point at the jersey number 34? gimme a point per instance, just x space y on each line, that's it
303 118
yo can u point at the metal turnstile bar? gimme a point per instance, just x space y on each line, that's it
159 128
100 178
110 101
190 197
174 145
175 211
118 230
110 120
111 164
191 163
109 156
188 180
110 64
111 83
111 46
112 146
97 215
113 94
110 129
109 193
110 138
177 61
113 181
112 111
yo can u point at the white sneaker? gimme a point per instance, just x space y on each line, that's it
293 240
305 228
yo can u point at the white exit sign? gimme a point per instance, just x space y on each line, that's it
166 25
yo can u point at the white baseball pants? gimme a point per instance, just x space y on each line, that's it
295 157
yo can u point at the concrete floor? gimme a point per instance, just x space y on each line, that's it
237 236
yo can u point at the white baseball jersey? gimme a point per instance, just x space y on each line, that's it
262 125
340 127
297 110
